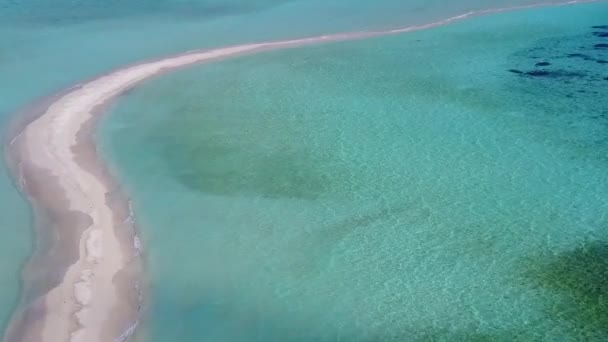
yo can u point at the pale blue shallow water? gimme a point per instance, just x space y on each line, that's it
433 186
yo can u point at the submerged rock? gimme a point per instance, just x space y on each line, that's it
601 61
600 34
601 46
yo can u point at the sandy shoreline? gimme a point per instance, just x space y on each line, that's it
81 209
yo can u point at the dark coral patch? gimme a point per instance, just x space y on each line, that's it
580 55
543 64
554 73
601 46
600 34
601 61
601 27
538 73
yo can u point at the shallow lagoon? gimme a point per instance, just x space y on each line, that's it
46 47
438 185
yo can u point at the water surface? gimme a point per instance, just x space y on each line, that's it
440 185
45 47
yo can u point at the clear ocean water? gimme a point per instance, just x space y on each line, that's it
443 185
392 189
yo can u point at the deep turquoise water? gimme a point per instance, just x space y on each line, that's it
432 186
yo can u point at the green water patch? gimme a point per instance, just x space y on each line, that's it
249 156
580 278
218 167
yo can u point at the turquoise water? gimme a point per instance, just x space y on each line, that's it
47 46
433 186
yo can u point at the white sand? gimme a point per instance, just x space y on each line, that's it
87 292
81 306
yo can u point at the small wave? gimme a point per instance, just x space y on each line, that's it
137 244
128 332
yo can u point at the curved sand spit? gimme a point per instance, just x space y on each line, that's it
96 299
